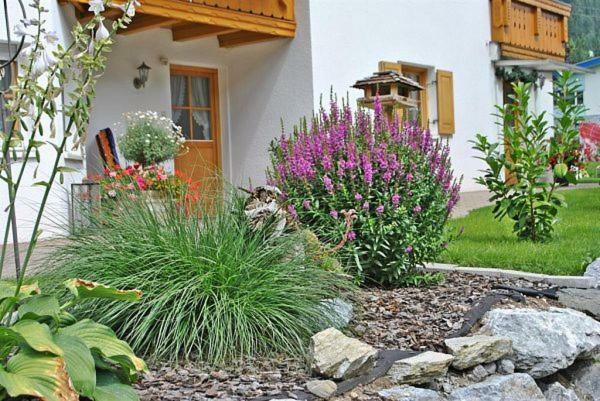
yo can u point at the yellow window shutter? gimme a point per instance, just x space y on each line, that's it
445 102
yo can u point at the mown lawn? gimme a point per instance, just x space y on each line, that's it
487 242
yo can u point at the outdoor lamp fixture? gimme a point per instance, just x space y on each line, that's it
140 81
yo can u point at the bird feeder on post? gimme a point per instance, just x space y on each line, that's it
393 90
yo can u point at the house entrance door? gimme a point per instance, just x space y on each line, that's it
195 107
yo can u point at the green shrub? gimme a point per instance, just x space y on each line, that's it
213 288
397 180
517 163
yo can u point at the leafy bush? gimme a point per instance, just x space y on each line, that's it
213 287
150 138
47 353
397 180
524 154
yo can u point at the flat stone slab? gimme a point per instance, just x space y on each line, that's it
421 368
478 349
561 281
545 341
587 301
515 387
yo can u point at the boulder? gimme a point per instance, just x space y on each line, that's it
421 368
321 388
585 379
545 341
557 392
337 356
408 393
593 270
476 350
341 312
506 367
583 300
479 373
515 387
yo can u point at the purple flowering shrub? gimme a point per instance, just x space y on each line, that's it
398 179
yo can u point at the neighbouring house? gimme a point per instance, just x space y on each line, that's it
590 89
228 71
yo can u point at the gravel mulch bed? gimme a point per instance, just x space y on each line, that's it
405 318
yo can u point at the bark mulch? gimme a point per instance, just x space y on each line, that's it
414 319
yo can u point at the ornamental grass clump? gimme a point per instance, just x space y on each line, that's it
214 288
396 178
150 138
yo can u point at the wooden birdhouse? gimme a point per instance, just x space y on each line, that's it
393 89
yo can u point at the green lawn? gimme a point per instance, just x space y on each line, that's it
591 168
487 242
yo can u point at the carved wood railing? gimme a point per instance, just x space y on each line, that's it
531 29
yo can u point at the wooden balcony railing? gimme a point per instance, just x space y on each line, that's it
233 22
531 29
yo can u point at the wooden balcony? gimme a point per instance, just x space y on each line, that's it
531 29
233 22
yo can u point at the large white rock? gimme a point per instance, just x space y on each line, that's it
321 388
421 368
475 350
408 393
340 357
515 387
557 392
585 379
544 342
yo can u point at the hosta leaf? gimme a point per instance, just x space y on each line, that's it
38 306
109 388
34 334
79 363
8 289
103 340
83 289
37 375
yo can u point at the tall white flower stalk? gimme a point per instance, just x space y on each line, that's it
47 68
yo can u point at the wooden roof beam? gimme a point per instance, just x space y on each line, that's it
111 13
203 14
186 31
144 22
241 38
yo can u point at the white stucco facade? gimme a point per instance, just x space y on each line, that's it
336 43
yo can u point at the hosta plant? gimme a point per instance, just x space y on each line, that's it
47 354
396 180
516 165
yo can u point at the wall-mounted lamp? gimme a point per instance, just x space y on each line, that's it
140 81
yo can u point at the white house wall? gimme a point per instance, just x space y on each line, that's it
352 36
591 94
258 85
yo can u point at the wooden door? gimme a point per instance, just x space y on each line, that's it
195 107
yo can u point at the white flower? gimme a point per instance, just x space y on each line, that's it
41 64
49 57
96 6
101 32
24 55
20 29
128 8
51 37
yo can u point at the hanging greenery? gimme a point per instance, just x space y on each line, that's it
516 74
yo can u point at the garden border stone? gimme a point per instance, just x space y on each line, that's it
561 281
